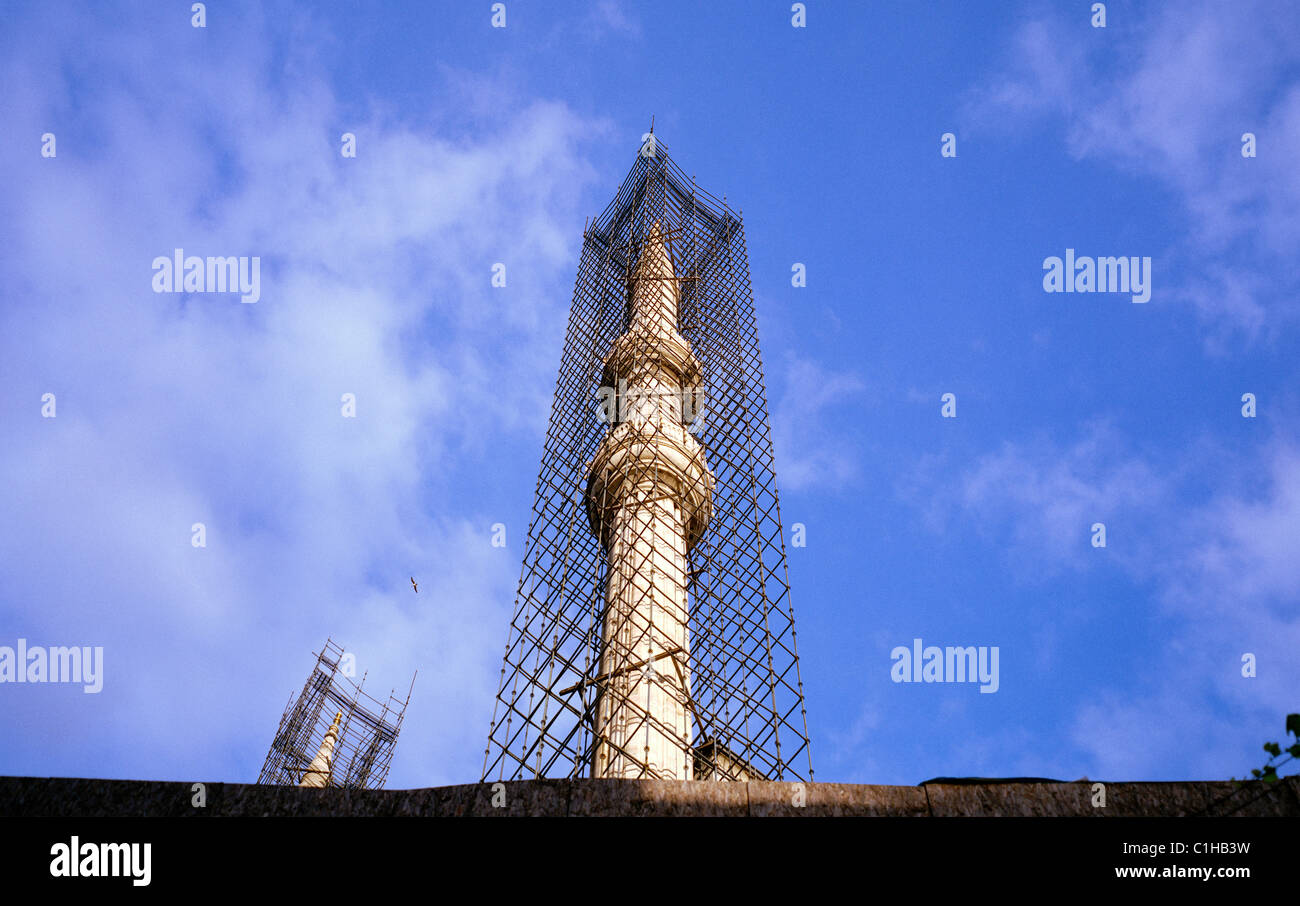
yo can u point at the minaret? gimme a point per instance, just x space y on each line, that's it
649 500
318 772
663 647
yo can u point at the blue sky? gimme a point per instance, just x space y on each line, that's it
478 145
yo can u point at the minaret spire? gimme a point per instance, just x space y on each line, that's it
318 772
653 288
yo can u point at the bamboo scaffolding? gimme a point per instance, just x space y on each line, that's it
366 737
739 674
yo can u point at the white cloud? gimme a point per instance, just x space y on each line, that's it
1168 97
1221 575
175 410
1042 497
613 16
807 420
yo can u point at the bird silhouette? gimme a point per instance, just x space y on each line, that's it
413 585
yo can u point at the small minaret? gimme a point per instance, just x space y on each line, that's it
318 772
649 500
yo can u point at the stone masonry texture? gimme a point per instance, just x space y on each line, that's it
74 797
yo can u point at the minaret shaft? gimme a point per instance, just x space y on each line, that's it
649 497
643 703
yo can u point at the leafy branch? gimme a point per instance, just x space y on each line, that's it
1268 773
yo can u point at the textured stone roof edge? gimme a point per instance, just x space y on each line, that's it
83 797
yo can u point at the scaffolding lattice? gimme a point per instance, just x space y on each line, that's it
366 736
653 633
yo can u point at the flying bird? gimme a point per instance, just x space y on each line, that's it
413 585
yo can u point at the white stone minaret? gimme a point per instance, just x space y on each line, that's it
318 772
649 499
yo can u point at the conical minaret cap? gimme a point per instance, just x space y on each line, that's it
653 286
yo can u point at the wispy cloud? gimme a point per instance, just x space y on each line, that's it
613 16
1219 575
174 410
1168 97
807 421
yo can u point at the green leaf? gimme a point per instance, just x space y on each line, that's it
1273 749
1255 772
1293 724
1295 750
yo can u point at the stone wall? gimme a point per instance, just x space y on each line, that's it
71 797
